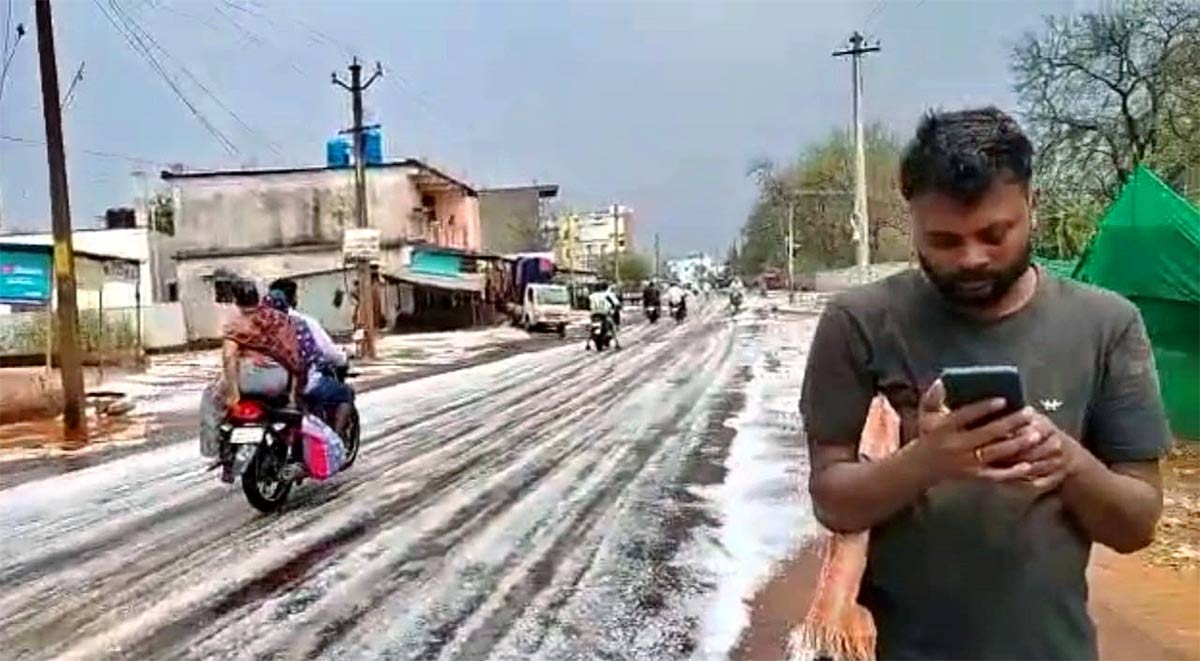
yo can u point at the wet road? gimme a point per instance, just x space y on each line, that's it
550 505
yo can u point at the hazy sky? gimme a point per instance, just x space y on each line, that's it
658 104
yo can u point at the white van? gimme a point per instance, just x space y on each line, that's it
546 307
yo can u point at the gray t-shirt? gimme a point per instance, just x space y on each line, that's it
975 570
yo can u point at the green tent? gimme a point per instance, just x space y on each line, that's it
1147 248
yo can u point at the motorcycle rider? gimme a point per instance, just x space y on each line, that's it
260 356
651 296
736 294
677 299
323 390
605 305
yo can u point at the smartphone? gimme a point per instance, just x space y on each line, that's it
966 385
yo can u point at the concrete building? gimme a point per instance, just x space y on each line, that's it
512 219
132 244
589 240
272 223
694 269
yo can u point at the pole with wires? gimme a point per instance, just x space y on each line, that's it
70 362
366 285
862 232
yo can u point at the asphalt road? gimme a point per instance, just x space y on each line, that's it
554 505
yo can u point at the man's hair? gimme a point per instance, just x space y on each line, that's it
960 154
288 287
245 293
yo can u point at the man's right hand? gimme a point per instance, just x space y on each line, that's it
947 446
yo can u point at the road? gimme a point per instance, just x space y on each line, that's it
551 505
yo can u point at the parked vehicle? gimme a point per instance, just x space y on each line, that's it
545 307
274 447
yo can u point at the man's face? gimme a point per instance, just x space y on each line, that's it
974 254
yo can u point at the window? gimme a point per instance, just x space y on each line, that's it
223 291
172 291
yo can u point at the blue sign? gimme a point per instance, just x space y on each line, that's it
24 276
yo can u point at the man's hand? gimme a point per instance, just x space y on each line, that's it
232 396
950 448
1053 458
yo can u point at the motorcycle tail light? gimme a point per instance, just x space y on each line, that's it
246 411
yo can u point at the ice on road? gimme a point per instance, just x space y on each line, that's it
553 505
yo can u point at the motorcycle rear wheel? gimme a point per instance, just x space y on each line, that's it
265 488
353 438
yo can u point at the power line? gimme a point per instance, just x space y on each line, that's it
140 48
133 25
90 152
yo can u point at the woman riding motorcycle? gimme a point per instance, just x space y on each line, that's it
260 356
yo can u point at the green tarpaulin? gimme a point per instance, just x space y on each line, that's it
1147 248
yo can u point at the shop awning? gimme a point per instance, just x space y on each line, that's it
453 283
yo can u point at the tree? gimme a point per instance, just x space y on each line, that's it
635 267
1107 90
818 188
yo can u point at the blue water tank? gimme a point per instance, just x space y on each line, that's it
373 145
337 152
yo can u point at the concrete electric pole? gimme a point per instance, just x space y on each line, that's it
366 279
69 360
857 49
657 256
616 209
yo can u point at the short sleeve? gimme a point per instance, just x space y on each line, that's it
838 387
1126 421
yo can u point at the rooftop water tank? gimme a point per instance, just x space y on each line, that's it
373 145
337 152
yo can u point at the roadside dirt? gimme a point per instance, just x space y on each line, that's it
1177 544
1145 605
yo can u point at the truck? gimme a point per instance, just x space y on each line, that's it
544 307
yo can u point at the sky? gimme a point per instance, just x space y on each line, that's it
656 104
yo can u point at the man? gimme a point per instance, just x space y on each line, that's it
651 300
980 535
604 304
677 299
323 392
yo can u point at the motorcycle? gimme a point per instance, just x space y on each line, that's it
735 303
261 440
653 312
600 334
679 312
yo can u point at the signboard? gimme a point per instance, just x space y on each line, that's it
361 244
25 276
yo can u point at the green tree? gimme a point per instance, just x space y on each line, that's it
818 190
635 267
1102 92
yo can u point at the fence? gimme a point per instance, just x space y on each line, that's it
115 330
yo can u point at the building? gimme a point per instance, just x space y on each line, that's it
271 223
587 241
132 244
512 219
694 269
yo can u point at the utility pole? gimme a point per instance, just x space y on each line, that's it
616 244
657 256
857 49
791 249
366 279
69 360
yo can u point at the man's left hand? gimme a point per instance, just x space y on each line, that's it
1052 459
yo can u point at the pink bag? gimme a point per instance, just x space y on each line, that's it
323 448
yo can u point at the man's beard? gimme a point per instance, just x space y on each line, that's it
979 288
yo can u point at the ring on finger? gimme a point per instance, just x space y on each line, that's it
979 455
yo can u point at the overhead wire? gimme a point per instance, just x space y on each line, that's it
91 152
133 25
141 49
